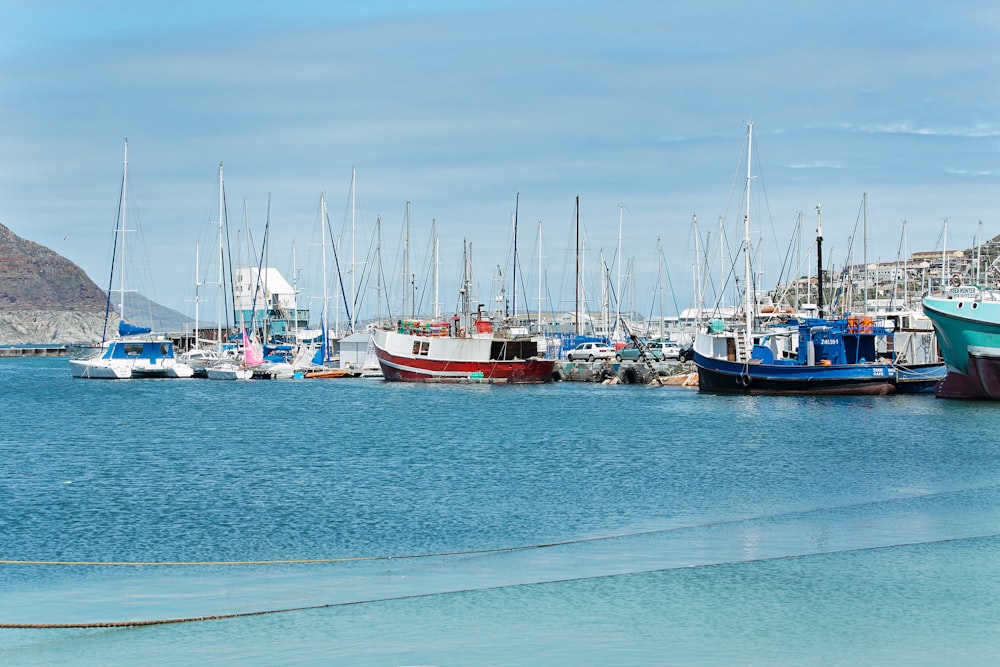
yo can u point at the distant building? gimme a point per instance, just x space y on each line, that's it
934 256
265 295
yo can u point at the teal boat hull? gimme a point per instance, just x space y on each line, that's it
968 331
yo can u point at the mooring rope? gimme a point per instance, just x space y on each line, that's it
331 605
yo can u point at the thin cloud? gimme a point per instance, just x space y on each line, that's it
818 164
458 108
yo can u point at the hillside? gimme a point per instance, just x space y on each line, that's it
34 278
47 299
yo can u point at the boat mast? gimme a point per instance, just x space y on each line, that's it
699 297
721 291
864 200
513 292
267 319
295 292
325 311
466 292
659 281
576 289
618 284
944 256
407 293
354 297
218 325
197 285
252 260
819 261
906 272
605 299
748 277
979 255
121 226
798 261
437 264
539 276
378 269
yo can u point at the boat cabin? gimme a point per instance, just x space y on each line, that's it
822 342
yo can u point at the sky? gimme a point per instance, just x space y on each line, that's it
467 115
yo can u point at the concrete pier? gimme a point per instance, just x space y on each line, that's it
34 351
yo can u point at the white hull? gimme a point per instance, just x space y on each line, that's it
122 359
228 372
417 358
104 369
98 369
275 371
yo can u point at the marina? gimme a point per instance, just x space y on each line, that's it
499 334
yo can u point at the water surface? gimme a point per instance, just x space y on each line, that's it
562 524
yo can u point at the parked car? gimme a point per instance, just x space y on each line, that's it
656 350
590 352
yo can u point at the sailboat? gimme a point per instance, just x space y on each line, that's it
135 352
201 357
813 355
231 369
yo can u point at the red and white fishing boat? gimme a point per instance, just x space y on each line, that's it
466 349
428 351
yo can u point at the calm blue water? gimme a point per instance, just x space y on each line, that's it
681 528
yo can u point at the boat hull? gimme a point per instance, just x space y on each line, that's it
94 369
329 373
981 381
152 359
273 371
725 377
454 360
919 378
102 371
968 331
228 372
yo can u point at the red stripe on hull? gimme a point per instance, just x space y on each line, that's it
422 369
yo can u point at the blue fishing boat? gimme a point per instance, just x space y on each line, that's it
811 355
808 356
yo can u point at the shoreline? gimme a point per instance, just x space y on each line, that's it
33 351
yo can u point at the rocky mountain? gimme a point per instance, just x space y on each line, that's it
34 278
47 299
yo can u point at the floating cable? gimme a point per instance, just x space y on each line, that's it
416 596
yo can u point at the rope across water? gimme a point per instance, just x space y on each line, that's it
472 552
219 617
